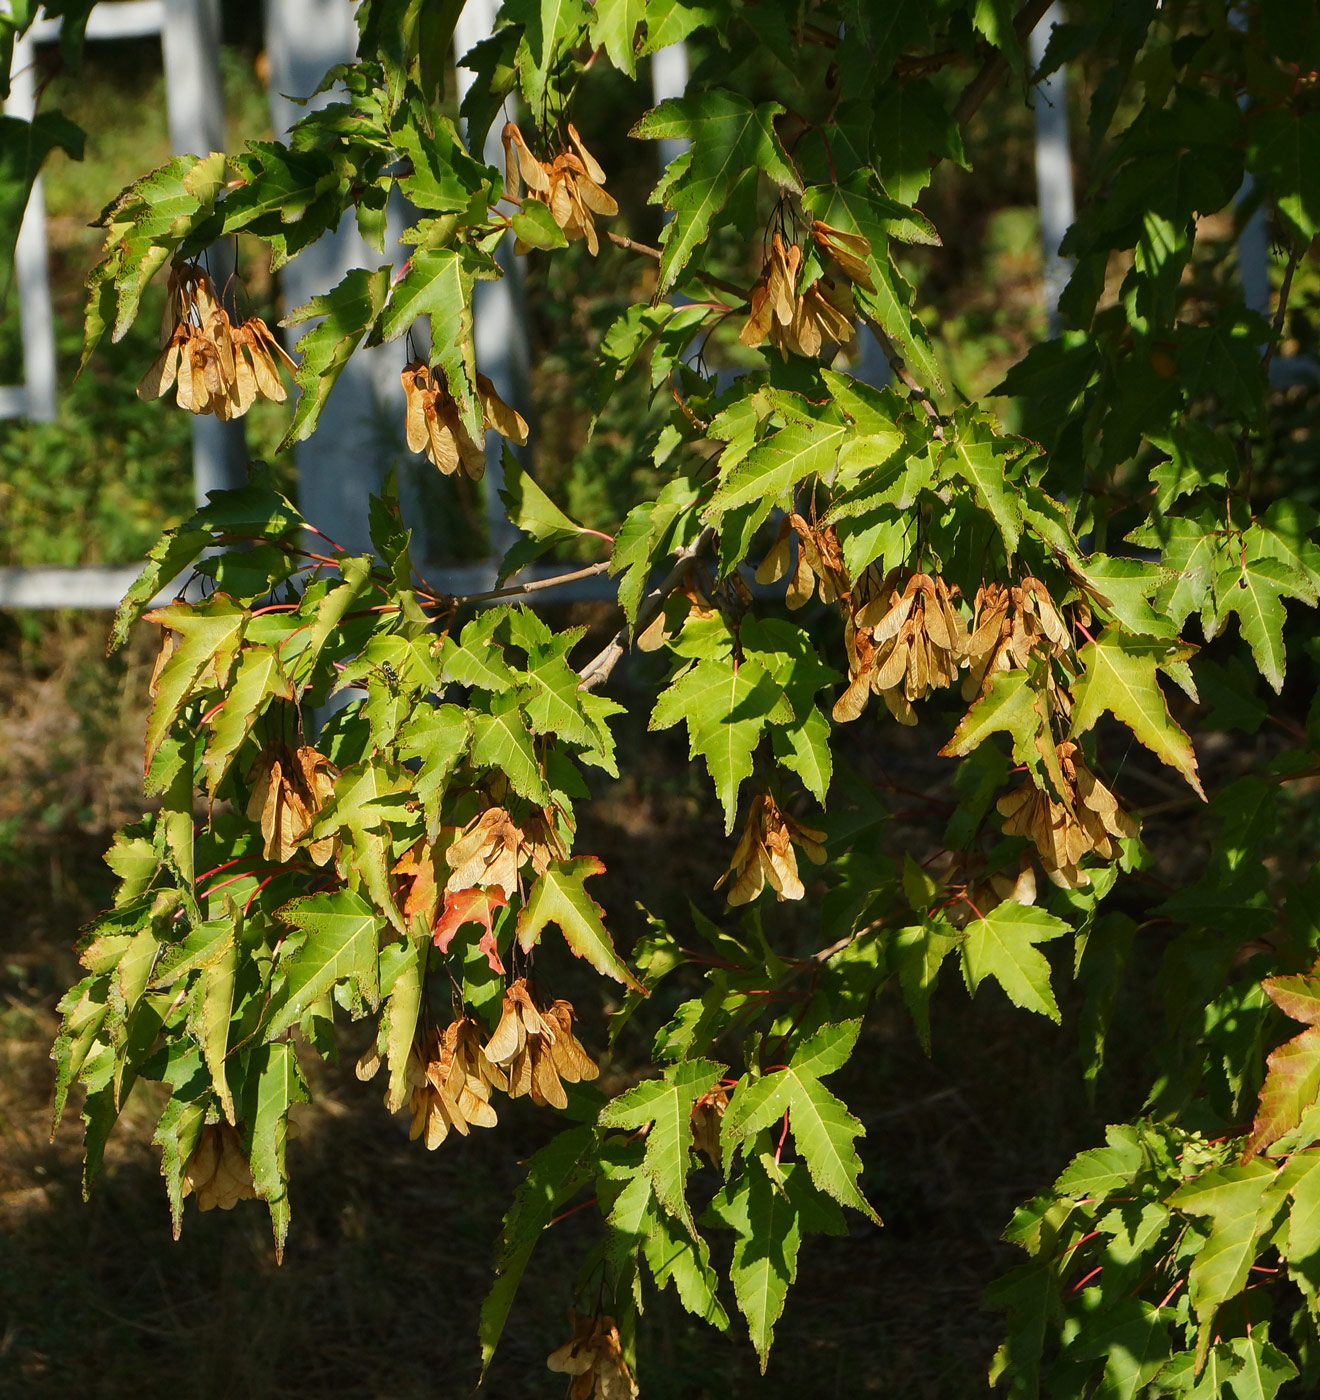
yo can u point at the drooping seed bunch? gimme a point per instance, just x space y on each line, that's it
212 365
452 1078
819 562
538 1048
434 425
594 1357
765 853
289 788
904 639
1084 818
217 1172
570 185
798 321
1010 624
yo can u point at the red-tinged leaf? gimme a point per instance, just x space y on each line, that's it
558 897
474 906
1298 997
1291 1086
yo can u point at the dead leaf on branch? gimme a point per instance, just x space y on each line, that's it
433 422
288 790
213 365
570 185
593 1356
1085 819
217 1172
765 853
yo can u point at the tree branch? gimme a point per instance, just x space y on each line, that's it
993 68
633 246
598 669
534 585
1284 292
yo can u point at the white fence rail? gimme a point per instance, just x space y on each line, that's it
338 466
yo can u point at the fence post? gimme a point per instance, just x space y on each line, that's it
339 466
31 271
194 99
499 309
1054 182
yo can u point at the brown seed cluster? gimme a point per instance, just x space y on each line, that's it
1086 818
1010 623
218 1173
903 640
493 848
570 186
434 425
819 562
765 854
451 1078
593 1356
538 1048
288 790
793 320
212 365
707 1116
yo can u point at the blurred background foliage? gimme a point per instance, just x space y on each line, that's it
96 1299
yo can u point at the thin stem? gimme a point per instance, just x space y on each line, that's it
1294 258
531 586
633 246
996 65
598 669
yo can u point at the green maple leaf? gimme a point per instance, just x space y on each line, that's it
438 283
402 979
777 463
1119 675
1132 1338
671 1253
725 707
983 465
259 679
1241 1202
551 29
666 1104
23 147
272 1082
554 1174
1283 144
181 1122
911 124
714 181
210 1013
501 739
558 897
1002 945
918 954
613 27
1262 1368
1255 589
349 311
437 736
209 636
1011 706
823 1129
769 1218
146 223
338 942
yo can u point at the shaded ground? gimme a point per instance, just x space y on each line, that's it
389 1252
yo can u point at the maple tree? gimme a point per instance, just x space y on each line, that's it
1040 600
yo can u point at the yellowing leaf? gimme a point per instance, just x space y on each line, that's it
1120 676
558 897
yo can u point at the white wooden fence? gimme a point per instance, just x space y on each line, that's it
339 465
